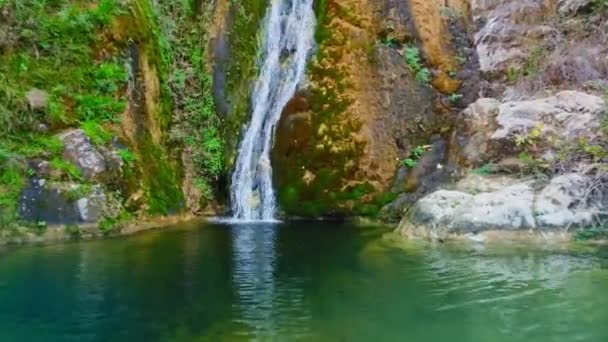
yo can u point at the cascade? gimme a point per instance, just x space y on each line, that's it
288 40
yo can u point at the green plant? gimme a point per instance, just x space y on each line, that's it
110 225
98 135
455 98
596 232
71 170
531 138
78 192
390 42
413 59
600 5
127 155
484 170
73 231
415 154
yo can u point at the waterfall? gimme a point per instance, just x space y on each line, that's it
288 41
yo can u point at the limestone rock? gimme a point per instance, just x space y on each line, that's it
80 150
561 203
458 211
570 114
488 129
506 204
477 125
508 31
569 7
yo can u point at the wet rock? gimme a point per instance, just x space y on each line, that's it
37 99
63 203
41 202
80 150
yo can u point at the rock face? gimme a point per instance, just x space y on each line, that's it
490 128
567 7
65 203
80 150
503 203
508 31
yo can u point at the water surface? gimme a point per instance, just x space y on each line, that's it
297 281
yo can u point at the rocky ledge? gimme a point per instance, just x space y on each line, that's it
479 206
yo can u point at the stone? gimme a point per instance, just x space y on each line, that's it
54 203
91 208
562 202
500 203
80 150
508 30
37 99
488 129
569 114
477 125
569 7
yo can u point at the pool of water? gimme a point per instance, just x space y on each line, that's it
297 281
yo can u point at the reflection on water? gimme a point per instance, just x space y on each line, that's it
297 281
265 304
254 262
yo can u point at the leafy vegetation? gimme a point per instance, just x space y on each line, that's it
54 46
413 59
484 170
415 154
196 124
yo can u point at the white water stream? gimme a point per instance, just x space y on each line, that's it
288 41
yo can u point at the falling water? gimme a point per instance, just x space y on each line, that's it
288 41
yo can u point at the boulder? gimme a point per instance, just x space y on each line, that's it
500 203
569 114
91 208
488 129
562 203
458 211
80 150
64 203
508 31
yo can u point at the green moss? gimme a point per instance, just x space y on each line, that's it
99 135
326 147
12 180
160 178
241 68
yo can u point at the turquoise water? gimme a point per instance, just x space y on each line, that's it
297 281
